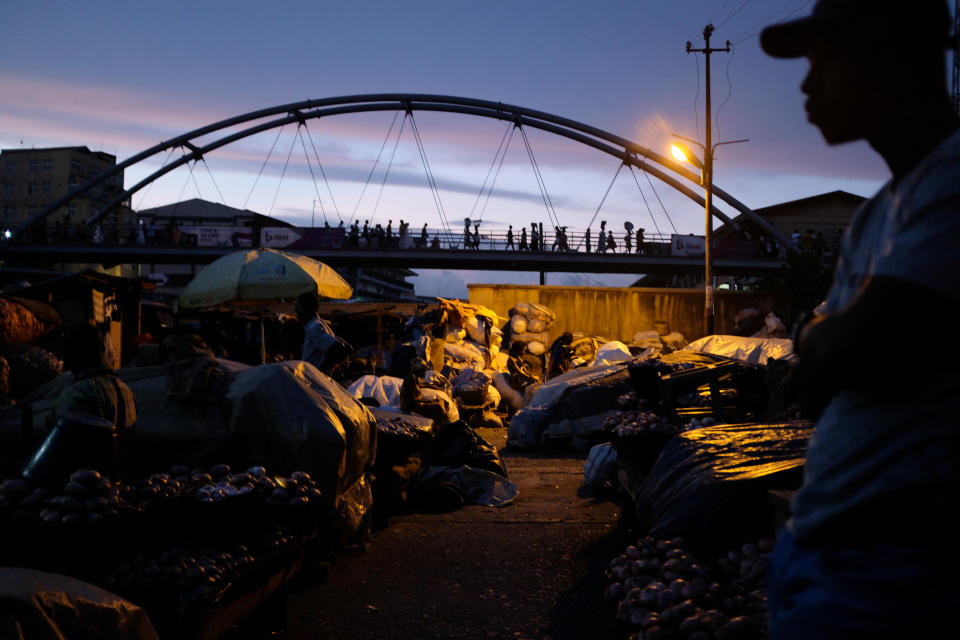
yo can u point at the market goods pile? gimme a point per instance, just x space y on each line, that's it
89 497
662 591
530 324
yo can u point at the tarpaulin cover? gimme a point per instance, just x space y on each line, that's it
750 350
460 456
384 389
35 604
293 417
710 481
582 392
612 352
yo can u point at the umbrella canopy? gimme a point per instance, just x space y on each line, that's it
260 276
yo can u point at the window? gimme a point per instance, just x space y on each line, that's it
11 167
8 189
72 184
8 212
34 165
75 164
32 189
45 187
72 210
47 165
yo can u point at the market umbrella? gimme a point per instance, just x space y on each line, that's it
261 276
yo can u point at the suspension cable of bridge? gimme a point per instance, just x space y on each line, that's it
322 172
431 180
548 203
262 167
283 173
386 173
602 200
505 140
147 190
647 204
213 180
316 190
654 189
373 169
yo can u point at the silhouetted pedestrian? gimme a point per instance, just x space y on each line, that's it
509 244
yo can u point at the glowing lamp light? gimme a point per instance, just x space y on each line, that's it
678 153
7 234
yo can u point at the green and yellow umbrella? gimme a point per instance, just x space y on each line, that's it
261 276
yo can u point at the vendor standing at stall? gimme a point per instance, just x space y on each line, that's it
868 552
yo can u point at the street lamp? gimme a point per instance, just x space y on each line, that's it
683 154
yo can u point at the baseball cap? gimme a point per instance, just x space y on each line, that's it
926 21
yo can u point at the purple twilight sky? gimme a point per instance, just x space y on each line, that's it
121 76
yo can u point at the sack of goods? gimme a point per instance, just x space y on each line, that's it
530 324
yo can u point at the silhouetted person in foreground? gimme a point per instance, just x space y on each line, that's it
509 244
867 553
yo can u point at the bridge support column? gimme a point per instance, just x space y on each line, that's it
543 278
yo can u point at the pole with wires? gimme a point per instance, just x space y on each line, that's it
708 312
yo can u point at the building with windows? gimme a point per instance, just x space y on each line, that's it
32 179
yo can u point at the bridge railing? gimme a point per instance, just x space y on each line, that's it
336 238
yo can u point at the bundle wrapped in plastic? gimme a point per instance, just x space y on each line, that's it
530 324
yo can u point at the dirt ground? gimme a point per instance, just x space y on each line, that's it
533 569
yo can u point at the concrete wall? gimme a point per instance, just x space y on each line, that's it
618 313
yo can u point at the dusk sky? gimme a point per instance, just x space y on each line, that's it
121 76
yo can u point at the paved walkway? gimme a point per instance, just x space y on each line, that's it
533 569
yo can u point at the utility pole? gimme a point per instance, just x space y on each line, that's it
708 180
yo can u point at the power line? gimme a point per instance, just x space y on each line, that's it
729 90
760 26
731 16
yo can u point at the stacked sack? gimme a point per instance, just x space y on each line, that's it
530 324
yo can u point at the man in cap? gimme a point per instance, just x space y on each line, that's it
866 553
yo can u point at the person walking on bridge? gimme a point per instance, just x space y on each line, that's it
640 241
509 244
586 239
523 241
611 242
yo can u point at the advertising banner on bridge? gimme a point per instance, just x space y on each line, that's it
690 245
214 236
303 237
278 237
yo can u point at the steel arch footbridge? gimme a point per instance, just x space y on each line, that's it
226 132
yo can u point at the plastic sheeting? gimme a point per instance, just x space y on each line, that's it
582 392
710 484
292 417
36 604
612 352
459 456
384 389
750 350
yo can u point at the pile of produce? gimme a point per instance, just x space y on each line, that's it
87 498
187 576
662 591
530 324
